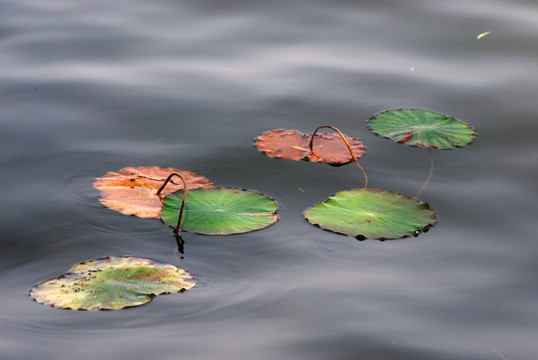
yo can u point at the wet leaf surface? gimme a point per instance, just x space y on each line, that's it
132 191
291 144
422 128
372 213
220 211
111 283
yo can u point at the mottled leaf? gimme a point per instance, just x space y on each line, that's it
111 283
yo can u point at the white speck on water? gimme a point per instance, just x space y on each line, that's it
482 35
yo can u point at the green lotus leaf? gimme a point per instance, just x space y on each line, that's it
111 283
422 128
220 211
372 213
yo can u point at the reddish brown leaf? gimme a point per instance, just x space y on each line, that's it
133 191
293 145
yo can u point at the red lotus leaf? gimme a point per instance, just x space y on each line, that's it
133 191
291 144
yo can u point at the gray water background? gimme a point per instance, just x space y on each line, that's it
88 87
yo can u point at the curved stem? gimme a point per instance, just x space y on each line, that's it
176 231
429 174
348 147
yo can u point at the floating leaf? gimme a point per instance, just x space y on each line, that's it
220 211
132 191
111 283
422 128
372 213
293 145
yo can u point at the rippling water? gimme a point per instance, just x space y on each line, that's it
88 87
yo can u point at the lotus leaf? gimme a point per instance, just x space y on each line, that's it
220 211
372 213
422 128
132 191
111 283
293 145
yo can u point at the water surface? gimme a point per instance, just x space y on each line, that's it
94 86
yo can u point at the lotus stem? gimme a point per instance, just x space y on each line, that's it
180 244
348 147
429 175
176 231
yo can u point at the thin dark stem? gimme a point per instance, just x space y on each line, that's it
429 174
348 147
176 231
180 244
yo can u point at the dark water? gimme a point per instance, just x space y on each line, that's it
88 87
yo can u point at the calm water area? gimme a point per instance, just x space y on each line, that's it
88 87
